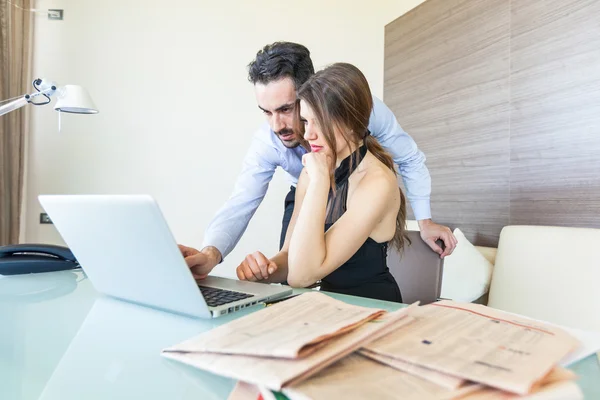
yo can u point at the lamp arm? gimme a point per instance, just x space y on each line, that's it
13 105
23 101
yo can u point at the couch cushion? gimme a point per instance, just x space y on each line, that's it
488 252
548 273
467 273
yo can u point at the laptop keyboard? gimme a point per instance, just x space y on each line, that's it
217 297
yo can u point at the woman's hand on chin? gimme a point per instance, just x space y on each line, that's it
255 267
317 166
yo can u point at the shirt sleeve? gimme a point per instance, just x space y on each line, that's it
407 156
231 221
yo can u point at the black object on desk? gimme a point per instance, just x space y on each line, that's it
268 303
33 258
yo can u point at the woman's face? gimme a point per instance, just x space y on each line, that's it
314 136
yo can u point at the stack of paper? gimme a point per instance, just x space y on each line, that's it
471 351
287 342
357 377
316 347
479 344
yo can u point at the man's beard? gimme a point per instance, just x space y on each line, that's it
290 144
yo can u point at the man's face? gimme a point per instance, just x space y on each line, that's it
277 100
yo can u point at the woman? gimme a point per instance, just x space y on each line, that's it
348 204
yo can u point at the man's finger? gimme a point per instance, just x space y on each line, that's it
196 261
454 240
450 245
447 252
184 250
434 246
198 273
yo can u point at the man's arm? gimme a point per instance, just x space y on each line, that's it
407 156
231 221
415 175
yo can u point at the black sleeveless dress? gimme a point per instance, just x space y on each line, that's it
366 273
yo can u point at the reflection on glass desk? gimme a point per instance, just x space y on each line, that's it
60 340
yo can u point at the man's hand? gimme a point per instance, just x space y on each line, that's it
201 262
431 232
255 267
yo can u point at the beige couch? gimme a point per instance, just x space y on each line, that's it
549 273
544 272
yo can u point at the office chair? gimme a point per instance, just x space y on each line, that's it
418 270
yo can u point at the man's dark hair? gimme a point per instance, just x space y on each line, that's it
280 60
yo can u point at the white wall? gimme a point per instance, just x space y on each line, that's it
176 110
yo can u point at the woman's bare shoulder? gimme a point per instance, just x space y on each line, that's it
378 174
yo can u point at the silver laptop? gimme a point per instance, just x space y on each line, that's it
125 247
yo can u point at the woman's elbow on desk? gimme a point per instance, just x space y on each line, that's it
297 282
298 279
302 276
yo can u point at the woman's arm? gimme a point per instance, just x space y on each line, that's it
314 254
256 266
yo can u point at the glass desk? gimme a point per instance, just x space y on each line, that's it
59 339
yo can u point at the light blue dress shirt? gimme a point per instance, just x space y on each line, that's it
266 153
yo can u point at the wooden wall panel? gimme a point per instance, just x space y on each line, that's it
446 79
555 113
503 96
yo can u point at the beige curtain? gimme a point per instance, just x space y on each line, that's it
15 79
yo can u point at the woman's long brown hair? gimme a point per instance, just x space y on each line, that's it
340 98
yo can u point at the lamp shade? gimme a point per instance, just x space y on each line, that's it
74 99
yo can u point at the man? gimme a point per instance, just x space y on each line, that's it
277 72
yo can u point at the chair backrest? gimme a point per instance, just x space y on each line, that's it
418 270
548 273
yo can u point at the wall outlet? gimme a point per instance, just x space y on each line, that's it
45 219
55 14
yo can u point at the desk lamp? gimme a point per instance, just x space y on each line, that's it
70 98
24 258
